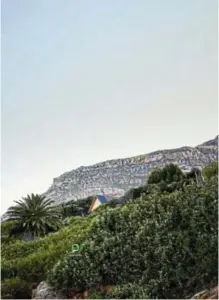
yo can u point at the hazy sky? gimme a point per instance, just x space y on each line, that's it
85 81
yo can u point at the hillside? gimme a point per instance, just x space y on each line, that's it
158 245
117 176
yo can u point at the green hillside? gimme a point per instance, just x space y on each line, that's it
162 243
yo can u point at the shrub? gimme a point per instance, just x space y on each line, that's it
95 294
32 260
7 226
15 288
127 291
168 174
165 242
76 208
211 170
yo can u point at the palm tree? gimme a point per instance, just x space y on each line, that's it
34 215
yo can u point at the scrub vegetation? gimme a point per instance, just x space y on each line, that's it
161 242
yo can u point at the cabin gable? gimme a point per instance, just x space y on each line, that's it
99 200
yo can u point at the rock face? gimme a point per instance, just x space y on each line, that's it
207 294
117 176
45 291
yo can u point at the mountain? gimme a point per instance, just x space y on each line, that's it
115 177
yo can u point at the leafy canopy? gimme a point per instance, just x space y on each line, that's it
168 174
211 170
34 215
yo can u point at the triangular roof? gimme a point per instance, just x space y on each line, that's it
102 199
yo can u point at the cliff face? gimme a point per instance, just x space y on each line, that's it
117 176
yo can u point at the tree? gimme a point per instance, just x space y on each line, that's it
34 215
210 171
192 174
76 207
168 174
155 176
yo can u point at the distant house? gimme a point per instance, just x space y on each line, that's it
97 201
103 199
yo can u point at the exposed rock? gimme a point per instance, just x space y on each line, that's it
117 176
45 291
207 294
200 295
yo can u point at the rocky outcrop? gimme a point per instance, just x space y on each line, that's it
45 291
207 294
117 176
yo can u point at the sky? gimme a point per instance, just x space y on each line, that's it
90 80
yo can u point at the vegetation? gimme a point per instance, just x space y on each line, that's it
76 208
31 261
211 171
168 174
159 244
34 215
15 288
167 179
128 291
165 242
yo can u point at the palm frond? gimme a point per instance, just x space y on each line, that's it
35 215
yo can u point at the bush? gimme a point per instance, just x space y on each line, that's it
76 208
210 171
32 260
7 226
95 294
168 174
165 242
15 288
127 291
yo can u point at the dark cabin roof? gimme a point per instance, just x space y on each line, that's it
102 199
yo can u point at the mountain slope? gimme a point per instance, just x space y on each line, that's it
117 176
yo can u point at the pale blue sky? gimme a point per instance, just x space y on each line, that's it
85 81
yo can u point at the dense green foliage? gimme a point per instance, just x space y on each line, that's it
15 288
165 242
162 243
127 291
169 179
34 215
76 208
166 179
211 170
31 261
168 174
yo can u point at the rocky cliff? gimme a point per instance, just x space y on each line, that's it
117 176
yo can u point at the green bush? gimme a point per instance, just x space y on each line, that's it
168 174
165 242
95 294
32 260
7 226
127 291
211 170
15 288
76 208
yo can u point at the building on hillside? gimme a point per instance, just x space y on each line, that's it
97 201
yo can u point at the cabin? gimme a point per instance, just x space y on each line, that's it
97 201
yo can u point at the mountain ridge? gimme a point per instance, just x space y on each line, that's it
116 176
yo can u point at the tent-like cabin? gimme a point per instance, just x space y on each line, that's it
98 200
